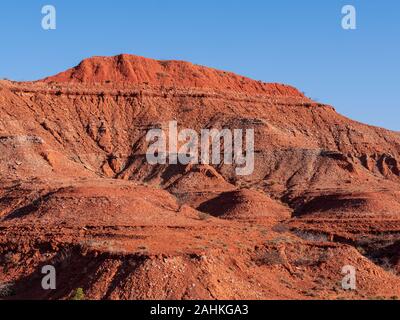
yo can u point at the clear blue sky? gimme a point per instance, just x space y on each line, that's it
290 41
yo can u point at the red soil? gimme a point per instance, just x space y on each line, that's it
76 190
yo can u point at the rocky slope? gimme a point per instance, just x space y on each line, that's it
77 192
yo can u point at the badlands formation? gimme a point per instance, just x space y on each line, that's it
77 193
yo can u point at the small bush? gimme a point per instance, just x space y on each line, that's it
270 258
143 248
204 216
7 289
361 250
79 294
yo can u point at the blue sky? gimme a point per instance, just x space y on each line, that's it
290 41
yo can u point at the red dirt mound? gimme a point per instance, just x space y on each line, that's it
245 204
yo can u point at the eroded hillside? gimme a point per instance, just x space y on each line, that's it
78 193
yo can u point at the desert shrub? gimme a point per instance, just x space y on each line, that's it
313 260
361 250
143 248
7 289
204 216
387 264
311 236
270 258
79 294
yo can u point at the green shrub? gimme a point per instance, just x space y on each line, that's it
79 294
